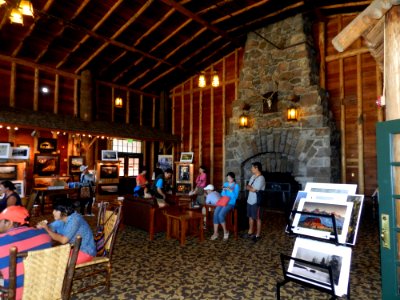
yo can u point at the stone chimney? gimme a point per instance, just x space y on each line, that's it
280 71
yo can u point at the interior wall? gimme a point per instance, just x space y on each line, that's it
200 116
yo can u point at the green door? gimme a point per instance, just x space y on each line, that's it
388 152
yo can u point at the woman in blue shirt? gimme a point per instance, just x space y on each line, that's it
230 189
73 224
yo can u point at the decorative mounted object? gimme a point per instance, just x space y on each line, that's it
109 155
186 157
165 161
19 153
270 102
75 162
5 150
46 164
19 187
46 145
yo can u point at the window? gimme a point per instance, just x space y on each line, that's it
127 146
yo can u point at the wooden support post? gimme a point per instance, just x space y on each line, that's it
13 83
360 128
182 117
86 96
56 91
224 114
127 107
201 127
76 84
36 90
321 43
112 104
191 116
392 63
212 113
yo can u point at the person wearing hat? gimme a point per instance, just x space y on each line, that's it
10 196
212 195
86 192
14 232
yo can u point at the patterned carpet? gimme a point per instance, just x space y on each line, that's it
241 269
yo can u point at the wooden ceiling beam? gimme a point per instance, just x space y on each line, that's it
369 17
95 27
47 6
116 34
61 31
196 18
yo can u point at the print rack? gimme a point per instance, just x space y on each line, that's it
290 263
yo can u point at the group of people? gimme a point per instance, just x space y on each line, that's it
15 231
230 189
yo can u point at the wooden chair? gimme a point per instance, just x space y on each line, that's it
87 273
48 273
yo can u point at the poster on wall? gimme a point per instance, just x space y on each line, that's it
165 161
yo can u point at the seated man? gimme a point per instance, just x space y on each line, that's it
14 232
212 196
160 187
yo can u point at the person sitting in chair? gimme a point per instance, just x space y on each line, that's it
14 232
11 197
74 225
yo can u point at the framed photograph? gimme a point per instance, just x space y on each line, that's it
75 162
184 173
186 157
107 189
109 172
165 161
5 150
325 254
46 145
321 226
335 188
19 187
19 153
23 146
109 155
48 181
357 201
46 164
8 172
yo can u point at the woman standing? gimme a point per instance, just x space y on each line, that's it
10 196
67 226
230 189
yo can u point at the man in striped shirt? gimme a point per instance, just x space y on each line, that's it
14 232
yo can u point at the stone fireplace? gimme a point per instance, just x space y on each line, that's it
280 60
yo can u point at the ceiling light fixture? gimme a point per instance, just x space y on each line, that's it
18 9
203 81
118 103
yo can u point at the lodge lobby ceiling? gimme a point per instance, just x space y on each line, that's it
145 45
63 123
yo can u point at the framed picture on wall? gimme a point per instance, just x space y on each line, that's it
46 145
75 162
186 157
46 164
19 187
5 150
109 155
165 161
19 153
8 172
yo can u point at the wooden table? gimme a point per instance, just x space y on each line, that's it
182 223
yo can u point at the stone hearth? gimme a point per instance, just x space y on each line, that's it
280 58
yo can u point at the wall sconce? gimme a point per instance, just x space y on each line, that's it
243 121
203 82
118 102
292 113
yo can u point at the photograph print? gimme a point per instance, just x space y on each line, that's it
357 201
322 226
46 164
75 162
326 255
300 195
19 153
8 172
109 155
335 188
5 150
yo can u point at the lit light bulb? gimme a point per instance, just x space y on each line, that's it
16 16
202 80
26 8
215 80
